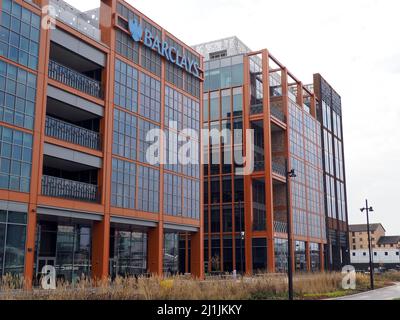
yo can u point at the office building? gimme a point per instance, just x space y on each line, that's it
245 216
78 96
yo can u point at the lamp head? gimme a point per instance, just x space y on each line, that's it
371 209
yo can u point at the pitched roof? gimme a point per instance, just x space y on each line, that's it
389 240
363 227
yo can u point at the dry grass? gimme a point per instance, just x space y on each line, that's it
307 286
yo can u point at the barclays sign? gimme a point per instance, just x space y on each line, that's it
170 53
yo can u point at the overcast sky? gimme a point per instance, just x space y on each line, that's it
355 45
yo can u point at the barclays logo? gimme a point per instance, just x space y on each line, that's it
170 53
136 30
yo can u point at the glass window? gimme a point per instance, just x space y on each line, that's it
226 103
123 184
259 255
15 160
148 189
125 134
259 208
227 218
215 219
19 34
126 47
214 106
126 86
17 96
144 128
150 97
12 242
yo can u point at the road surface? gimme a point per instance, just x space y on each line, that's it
388 293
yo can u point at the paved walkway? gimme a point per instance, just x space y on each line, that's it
388 293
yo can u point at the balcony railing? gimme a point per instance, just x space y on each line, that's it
280 226
279 169
74 79
259 165
256 108
71 133
68 189
278 114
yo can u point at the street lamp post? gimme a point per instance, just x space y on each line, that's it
289 174
369 209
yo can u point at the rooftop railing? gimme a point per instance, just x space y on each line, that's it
76 19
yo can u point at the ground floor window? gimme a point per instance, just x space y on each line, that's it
315 257
300 256
67 247
128 253
259 255
171 253
281 255
12 242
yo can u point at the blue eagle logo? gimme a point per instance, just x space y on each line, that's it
136 30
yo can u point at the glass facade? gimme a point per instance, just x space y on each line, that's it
223 73
300 256
128 253
171 253
126 86
65 246
281 255
123 184
15 159
307 187
19 34
17 96
259 255
125 135
12 242
148 189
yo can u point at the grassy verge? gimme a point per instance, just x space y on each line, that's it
265 287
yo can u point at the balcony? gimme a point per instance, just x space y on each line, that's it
280 227
256 108
75 79
279 169
72 133
278 114
259 165
69 189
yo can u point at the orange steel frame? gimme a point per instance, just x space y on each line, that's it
267 173
101 230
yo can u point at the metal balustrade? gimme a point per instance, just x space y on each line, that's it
280 226
74 79
279 169
69 189
71 133
278 114
256 108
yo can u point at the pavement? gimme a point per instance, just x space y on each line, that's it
388 293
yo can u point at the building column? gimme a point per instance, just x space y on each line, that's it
101 249
321 257
155 254
197 254
308 256
30 246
